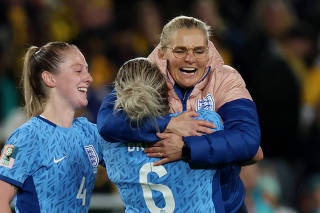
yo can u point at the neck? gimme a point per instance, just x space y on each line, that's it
184 89
58 114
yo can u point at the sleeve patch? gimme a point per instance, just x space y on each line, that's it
8 156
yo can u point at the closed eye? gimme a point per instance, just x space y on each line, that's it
180 50
199 51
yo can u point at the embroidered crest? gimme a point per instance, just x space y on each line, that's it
8 156
93 157
207 103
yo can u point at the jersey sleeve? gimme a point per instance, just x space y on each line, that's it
116 126
20 157
211 116
101 143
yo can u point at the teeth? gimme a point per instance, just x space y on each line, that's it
188 69
82 89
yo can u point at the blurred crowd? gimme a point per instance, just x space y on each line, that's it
274 44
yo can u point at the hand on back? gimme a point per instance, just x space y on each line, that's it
185 125
169 148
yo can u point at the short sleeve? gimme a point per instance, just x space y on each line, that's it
20 157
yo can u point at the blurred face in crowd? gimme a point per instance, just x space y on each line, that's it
187 56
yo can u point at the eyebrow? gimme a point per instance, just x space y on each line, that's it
81 65
196 47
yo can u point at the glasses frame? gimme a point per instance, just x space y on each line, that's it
187 52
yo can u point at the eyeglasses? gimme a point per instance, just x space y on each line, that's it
182 52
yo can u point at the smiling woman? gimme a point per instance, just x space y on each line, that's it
186 67
72 80
51 161
197 79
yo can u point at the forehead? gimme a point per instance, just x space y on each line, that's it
188 38
73 57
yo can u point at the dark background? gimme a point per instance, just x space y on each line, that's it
272 43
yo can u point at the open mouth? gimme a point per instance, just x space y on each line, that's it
82 89
188 70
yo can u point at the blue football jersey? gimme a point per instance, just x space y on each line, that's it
172 187
53 167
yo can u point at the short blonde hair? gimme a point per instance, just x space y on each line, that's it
182 22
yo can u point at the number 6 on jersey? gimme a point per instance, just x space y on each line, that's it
148 187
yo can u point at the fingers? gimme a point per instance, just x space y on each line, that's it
197 134
191 114
163 135
155 155
161 162
206 124
153 150
204 130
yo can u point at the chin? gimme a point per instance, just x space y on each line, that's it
189 85
82 104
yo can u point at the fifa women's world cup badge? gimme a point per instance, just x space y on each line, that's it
8 156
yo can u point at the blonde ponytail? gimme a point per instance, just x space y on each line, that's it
37 60
141 90
33 103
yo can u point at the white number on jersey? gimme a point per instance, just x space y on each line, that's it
148 187
82 192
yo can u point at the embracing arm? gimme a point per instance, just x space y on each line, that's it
115 126
238 142
7 192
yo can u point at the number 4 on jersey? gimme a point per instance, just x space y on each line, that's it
82 192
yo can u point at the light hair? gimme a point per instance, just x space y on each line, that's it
182 22
141 90
36 60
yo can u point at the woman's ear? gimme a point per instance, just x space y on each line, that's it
160 53
48 79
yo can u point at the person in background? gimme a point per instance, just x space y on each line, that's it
197 78
50 162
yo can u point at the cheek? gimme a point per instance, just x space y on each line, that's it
203 65
175 65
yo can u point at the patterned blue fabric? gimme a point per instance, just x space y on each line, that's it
54 167
172 187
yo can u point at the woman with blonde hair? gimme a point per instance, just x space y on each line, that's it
142 93
54 157
197 79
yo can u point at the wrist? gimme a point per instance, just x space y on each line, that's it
186 153
169 126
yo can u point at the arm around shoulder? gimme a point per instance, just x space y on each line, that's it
238 142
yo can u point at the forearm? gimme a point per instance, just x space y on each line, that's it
8 192
5 206
238 142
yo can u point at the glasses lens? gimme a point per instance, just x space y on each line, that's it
181 52
200 52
